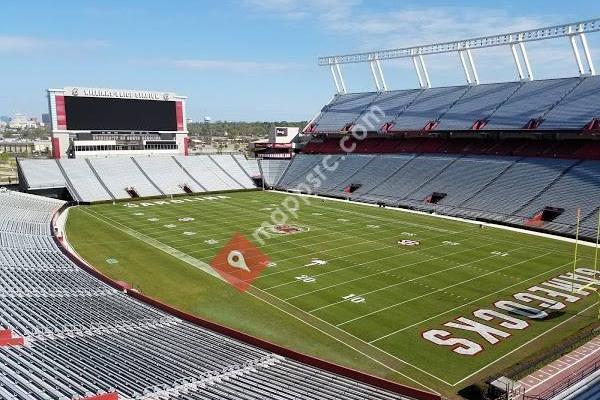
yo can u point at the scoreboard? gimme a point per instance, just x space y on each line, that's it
90 121
106 114
115 110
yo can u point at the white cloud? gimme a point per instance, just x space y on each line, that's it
404 26
26 44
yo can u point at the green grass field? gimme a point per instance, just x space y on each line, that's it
367 300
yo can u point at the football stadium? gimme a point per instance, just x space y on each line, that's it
432 243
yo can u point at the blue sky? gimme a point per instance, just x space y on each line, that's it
256 59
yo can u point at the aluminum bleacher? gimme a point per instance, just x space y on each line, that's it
233 169
506 189
272 169
84 185
556 104
78 337
250 165
167 175
41 174
530 102
344 109
207 173
120 173
478 104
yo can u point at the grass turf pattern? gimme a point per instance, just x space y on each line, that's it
343 289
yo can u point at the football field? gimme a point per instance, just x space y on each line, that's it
426 301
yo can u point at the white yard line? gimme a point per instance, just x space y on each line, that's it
526 343
358 265
470 302
413 279
440 290
160 246
447 255
469 221
560 371
355 349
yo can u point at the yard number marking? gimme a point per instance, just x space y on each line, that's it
306 278
316 261
354 298
499 253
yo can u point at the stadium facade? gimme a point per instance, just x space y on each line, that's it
89 122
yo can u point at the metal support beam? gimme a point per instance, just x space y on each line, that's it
341 78
384 85
551 32
378 77
422 73
526 59
519 54
461 54
425 72
375 78
513 49
335 79
466 60
588 54
473 68
516 41
573 41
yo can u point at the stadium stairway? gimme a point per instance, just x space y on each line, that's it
188 174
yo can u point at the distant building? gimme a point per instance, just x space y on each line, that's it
46 119
20 121
282 142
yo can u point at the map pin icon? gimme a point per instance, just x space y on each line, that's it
236 260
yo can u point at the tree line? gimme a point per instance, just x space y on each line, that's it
237 129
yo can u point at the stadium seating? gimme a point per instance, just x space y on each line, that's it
505 189
82 182
120 173
477 104
555 104
41 174
101 179
250 165
530 102
272 169
343 110
233 169
167 175
77 337
207 173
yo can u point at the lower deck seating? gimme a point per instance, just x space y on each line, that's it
120 174
505 189
83 338
84 184
102 179
167 175
272 169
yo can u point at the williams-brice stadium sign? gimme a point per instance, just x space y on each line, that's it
118 93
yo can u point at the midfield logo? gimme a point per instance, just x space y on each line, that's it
240 262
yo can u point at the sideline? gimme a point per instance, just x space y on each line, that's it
448 217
